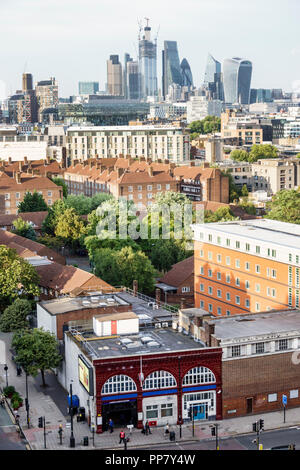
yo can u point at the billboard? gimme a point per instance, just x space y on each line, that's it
85 374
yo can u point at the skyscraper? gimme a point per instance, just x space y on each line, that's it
187 77
88 88
27 82
147 64
133 79
114 76
237 74
212 67
171 71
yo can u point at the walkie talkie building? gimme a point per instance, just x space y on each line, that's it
237 74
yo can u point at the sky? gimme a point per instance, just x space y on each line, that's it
72 39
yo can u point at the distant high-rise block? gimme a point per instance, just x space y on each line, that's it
88 88
170 66
237 74
27 82
47 95
147 64
187 77
212 67
114 76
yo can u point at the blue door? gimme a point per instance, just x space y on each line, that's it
200 411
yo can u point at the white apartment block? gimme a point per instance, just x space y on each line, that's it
151 142
199 107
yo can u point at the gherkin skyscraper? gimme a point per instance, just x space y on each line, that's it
187 77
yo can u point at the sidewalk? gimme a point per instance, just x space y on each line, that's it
51 402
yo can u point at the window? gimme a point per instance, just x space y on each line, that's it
247 284
209 273
237 263
237 245
219 258
209 254
257 307
149 187
140 188
202 287
257 287
259 348
257 249
227 296
237 281
274 273
167 186
228 260
257 268
227 241
247 247
294 393
159 379
130 189
235 351
228 313
201 304
201 270
219 240
159 187
219 311
219 293
228 278
199 375
219 277
210 238
282 344
186 289
247 303
151 411
166 409
247 266
237 300
210 308
117 384
210 290
17 195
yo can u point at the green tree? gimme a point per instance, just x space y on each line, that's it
207 125
54 212
70 227
234 191
61 182
14 317
245 192
259 152
32 203
17 277
239 155
285 206
36 350
124 266
222 214
24 229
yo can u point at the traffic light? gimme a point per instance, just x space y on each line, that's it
41 424
213 431
190 412
254 426
261 424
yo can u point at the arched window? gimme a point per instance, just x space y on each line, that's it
199 375
159 379
118 384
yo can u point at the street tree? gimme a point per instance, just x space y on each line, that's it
285 206
18 278
36 350
15 316
70 227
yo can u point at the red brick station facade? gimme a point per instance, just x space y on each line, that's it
174 382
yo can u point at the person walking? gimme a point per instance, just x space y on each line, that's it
167 428
147 428
122 437
111 425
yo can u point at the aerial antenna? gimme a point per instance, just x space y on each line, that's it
147 19
140 28
155 39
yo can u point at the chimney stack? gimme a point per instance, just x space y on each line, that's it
120 172
20 166
18 177
135 288
157 296
25 161
9 160
150 170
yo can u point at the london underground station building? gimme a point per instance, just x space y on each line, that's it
129 372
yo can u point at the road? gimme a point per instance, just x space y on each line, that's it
9 438
243 442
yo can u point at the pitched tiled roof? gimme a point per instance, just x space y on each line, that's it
28 182
6 238
179 272
66 278
40 167
191 172
37 218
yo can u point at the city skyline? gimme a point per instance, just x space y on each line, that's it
205 27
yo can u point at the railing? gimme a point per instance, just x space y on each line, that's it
164 305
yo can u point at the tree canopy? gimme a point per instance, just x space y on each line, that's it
32 203
285 206
36 350
14 317
60 182
207 125
17 277
24 229
70 227
257 152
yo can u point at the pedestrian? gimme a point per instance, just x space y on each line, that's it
122 437
111 425
2 401
147 428
19 371
17 417
167 428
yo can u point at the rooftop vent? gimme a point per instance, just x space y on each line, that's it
153 344
126 341
146 339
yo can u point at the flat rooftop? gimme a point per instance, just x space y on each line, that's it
148 341
267 230
146 310
266 323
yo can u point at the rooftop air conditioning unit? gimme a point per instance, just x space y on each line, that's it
157 325
165 324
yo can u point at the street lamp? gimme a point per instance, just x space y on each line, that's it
179 390
6 369
72 439
26 400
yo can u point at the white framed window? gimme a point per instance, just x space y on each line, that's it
202 287
219 258
130 189
235 350
259 348
118 384
228 296
237 263
209 254
158 186
17 195
140 188
130 197
199 375
219 276
237 299
149 187
228 278
247 266
140 196
186 289
219 293
257 307
294 393
210 290
159 379
151 411
7 196
257 287
257 268
166 409
219 311
247 303
49 193
167 186
210 308
228 260
237 281
209 273
149 195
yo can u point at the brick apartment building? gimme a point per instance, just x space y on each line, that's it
47 167
246 266
177 285
13 190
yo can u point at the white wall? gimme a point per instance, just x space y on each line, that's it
18 150
45 320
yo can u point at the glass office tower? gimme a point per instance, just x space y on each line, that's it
187 77
170 66
212 67
237 74
147 64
